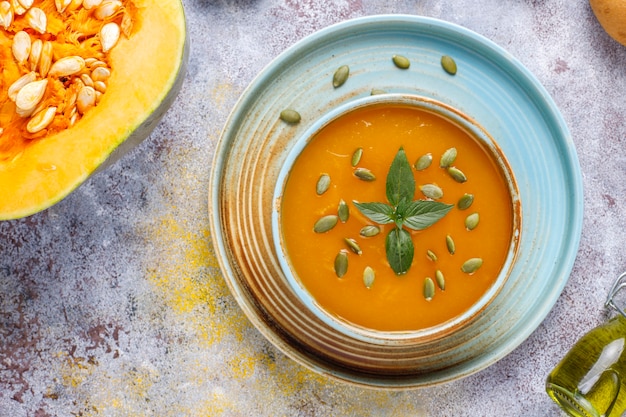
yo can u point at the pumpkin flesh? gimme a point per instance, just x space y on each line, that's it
147 69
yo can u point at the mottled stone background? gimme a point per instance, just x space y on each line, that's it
112 303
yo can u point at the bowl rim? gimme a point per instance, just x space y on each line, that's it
477 133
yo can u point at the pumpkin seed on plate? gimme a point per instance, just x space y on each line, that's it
322 185
448 64
325 223
401 62
376 91
290 116
341 76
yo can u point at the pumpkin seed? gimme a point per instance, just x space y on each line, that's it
450 244
290 116
465 201
471 221
19 83
471 265
86 99
448 64
401 62
35 53
431 255
431 191
364 174
41 120
429 289
423 162
356 156
107 9
457 174
21 46
341 263
322 185
109 35
324 224
448 157
37 19
369 231
45 60
441 282
341 76
6 14
66 66
353 245
29 96
377 91
343 211
368 277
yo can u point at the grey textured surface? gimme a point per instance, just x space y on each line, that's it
112 303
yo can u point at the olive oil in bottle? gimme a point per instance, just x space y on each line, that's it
590 381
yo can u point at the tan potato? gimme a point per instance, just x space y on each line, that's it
612 16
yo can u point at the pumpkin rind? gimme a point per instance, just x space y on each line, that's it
149 69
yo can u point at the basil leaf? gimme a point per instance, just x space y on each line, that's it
380 213
399 248
400 181
421 214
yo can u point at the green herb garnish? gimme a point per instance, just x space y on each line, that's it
402 210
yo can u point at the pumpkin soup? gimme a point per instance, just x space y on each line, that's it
354 262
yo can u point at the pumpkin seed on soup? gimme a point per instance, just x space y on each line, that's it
401 62
457 175
290 116
322 185
369 231
429 289
325 223
343 211
431 191
448 158
448 64
465 201
341 263
341 76
353 245
423 162
450 244
364 174
368 277
471 221
356 156
441 281
471 265
431 255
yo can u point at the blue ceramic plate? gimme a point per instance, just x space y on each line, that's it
491 87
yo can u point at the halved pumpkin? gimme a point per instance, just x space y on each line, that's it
147 67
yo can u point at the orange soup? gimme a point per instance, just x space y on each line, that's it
395 302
